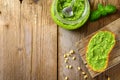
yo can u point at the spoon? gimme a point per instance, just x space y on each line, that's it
67 11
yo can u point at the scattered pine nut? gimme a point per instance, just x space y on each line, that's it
73 58
67 66
85 77
66 60
68 54
71 52
108 78
65 55
79 68
70 67
66 78
83 73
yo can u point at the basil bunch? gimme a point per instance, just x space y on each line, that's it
102 11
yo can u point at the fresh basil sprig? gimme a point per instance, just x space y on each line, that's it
102 11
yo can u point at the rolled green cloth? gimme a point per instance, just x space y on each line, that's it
81 12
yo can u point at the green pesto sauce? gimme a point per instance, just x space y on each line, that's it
78 8
98 50
81 11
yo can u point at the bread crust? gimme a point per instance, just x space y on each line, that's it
101 70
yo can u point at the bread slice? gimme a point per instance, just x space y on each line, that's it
98 50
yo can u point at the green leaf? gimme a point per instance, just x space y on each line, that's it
95 15
102 11
110 9
101 8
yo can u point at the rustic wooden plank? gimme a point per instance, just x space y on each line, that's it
67 40
1 47
114 56
14 62
41 38
26 27
45 59
28 24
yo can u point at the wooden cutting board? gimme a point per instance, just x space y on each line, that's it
114 55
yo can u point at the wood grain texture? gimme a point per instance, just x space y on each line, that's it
28 41
40 38
14 64
114 27
67 41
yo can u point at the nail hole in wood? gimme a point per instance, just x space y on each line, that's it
20 49
21 1
7 26
30 3
35 1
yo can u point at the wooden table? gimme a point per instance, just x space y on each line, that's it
32 46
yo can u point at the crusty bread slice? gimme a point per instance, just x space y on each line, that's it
98 50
